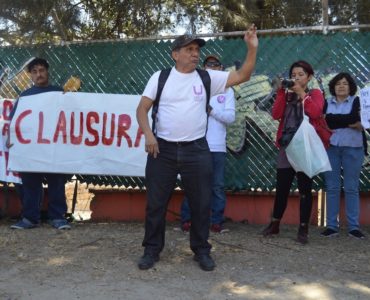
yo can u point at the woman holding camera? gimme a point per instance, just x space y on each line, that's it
288 110
346 152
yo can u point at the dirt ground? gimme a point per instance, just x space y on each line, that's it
98 261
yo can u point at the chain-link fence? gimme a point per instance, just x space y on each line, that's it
125 67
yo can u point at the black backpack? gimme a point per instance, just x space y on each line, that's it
163 76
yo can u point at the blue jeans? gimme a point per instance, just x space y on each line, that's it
348 159
32 194
218 201
192 160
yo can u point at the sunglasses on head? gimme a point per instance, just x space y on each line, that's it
213 64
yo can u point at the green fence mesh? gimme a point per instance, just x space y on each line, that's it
125 67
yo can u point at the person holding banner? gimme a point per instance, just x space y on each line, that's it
346 155
178 145
32 182
287 109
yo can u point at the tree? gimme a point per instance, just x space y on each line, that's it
234 15
37 21
270 14
343 13
123 18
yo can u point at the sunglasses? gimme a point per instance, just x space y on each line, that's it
213 64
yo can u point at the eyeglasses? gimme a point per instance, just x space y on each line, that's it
213 64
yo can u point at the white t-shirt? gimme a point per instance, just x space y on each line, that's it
182 108
222 114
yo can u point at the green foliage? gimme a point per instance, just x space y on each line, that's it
40 21
343 13
37 21
123 18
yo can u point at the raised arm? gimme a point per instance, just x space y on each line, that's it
244 73
151 144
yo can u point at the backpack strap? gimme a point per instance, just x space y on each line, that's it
296 112
324 109
163 76
356 108
206 79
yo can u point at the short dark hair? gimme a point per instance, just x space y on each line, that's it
37 61
301 64
340 76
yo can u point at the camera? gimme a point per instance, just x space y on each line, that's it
287 83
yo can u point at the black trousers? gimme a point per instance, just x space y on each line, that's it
193 161
284 180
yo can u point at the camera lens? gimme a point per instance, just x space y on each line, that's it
287 83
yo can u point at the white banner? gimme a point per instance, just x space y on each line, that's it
77 133
365 107
6 106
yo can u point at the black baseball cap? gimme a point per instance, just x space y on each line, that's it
186 39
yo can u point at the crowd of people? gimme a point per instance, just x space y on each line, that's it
191 110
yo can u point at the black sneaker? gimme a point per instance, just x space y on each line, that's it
205 261
328 232
147 261
356 234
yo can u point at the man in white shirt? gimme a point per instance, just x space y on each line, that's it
180 146
221 113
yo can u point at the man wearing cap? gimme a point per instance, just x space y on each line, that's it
180 146
221 113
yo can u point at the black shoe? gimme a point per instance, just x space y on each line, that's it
356 234
328 232
205 262
147 261
271 229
